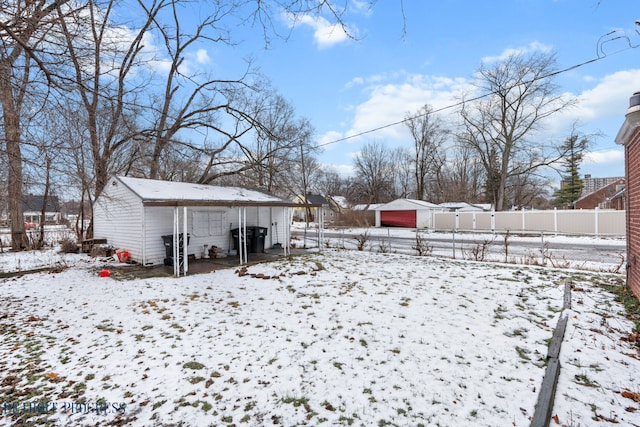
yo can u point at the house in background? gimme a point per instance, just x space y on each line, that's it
145 218
329 208
408 213
602 197
617 201
590 184
32 209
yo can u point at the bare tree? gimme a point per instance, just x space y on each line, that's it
24 28
500 127
429 136
374 172
461 178
94 61
100 69
330 182
403 177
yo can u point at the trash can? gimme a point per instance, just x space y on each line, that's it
259 235
235 233
168 247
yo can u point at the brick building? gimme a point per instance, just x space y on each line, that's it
602 197
591 185
629 136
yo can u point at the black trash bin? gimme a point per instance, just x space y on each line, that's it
235 233
259 235
168 247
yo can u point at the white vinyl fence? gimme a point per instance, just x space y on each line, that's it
586 222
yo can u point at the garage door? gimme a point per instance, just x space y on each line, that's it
398 218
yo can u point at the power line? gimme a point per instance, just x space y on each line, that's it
601 55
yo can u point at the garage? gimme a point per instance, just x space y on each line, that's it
398 219
408 213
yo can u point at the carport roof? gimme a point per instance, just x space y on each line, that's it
168 193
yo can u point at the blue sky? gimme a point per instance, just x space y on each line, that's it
399 63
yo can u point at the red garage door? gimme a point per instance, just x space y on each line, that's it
398 218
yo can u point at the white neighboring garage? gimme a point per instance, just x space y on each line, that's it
407 213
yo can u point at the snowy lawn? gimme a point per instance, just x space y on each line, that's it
334 338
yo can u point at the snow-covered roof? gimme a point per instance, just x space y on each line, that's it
462 207
179 193
408 204
365 207
341 201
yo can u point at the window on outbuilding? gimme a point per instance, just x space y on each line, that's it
208 223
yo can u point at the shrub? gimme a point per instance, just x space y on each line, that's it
69 246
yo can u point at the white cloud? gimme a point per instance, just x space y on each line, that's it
523 50
325 33
390 102
610 97
604 156
604 103
327 140
202 56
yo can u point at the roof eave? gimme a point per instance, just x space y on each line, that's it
226 203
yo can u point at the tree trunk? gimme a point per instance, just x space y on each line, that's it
11 121
45 197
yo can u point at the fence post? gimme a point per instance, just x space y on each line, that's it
457 225
454 243
493 221
555 221
595 214
524 225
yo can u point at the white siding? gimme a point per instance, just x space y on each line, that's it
423 218
158 223
120 217
117 217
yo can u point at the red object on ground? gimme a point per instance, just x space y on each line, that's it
123 256
105 273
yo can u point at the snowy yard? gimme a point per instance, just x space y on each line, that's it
332 338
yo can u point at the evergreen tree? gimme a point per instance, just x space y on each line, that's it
571 184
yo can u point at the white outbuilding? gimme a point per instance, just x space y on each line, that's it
407 213
149 218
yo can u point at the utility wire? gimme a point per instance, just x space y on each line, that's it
600 55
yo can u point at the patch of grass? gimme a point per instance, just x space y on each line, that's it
522 353
625 296
346 420
297 402
582 379
106 328
158 404
178 327
196 380
193 365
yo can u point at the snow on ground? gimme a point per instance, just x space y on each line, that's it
331 338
